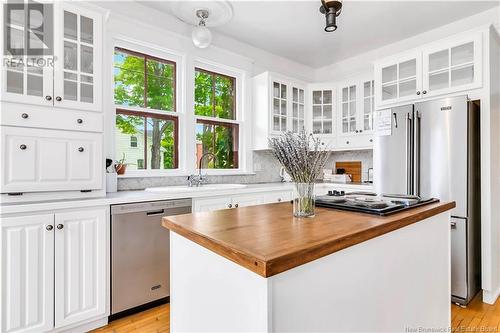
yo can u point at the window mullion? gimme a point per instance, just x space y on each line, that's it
145 143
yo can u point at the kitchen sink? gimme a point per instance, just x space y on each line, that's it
185 188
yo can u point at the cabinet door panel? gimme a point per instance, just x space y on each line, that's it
247 200
77 82
50 161
27 273
208 205
80 258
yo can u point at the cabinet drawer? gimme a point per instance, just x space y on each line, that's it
20 115
275 197
35 160
355 142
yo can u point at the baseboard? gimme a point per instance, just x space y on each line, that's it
490 297
83 328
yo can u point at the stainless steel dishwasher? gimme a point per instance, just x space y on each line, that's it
140 253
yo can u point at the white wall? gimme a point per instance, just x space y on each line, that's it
363 63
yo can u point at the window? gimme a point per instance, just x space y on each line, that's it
145 99
217 129
133 142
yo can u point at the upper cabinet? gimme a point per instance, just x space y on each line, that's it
451 67
279 105
323 111
69 77
437 69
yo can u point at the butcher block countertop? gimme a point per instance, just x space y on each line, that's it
268 240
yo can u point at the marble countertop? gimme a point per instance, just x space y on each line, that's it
122 197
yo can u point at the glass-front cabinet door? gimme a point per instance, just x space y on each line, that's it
452 67
399 79
298 109
77 82
279 107
368 106
348 120
27 66
322 111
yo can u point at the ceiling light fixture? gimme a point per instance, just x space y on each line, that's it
331 9
202 37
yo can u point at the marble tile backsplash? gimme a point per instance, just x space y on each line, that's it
266 171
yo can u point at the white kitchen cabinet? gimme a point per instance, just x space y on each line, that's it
323 111
355 116
275 197
80 261
452 66
398 78
439 68
279 105
27 273
35 160
242 200
71 77
55 269
211 204
245 200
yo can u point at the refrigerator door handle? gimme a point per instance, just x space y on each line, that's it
409 155
416 160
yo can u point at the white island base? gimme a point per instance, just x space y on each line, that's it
396 282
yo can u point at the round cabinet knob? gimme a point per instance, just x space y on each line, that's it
371 140
23 147
49 98
58 98
229 206
49 227
360 131
80 149
347 142
79 121
424 92
24 116
279 199
60 226
418 92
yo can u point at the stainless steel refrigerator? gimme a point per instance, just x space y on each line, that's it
431 149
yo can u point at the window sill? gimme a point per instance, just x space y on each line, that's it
172 173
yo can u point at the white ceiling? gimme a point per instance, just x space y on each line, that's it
294 29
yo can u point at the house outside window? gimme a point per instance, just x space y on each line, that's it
145 100
217 128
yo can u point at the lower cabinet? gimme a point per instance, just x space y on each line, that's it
54 269
242 200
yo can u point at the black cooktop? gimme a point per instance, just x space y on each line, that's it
370 203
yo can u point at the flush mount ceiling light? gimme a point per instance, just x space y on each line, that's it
202 15
202 37
331 9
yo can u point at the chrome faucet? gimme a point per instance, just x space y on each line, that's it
199 179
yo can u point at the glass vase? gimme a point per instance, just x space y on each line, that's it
303 200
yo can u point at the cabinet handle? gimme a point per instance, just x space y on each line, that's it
371 140
49 98
23 147
347 142
356 131
453 225
279 199
60 226
49 227
236 206
58 98
229 206
80 149
424 92
79 121
418 92
24 116
360 131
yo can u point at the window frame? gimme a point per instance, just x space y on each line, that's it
236 124
164 56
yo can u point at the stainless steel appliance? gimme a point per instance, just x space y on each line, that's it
140 252
431 149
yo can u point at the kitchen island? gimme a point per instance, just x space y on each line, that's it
259 269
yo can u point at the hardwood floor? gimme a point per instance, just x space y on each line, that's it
477 317
153 320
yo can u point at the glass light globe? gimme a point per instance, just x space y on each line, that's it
202 37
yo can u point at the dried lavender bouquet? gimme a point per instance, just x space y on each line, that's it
303 158
302 155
